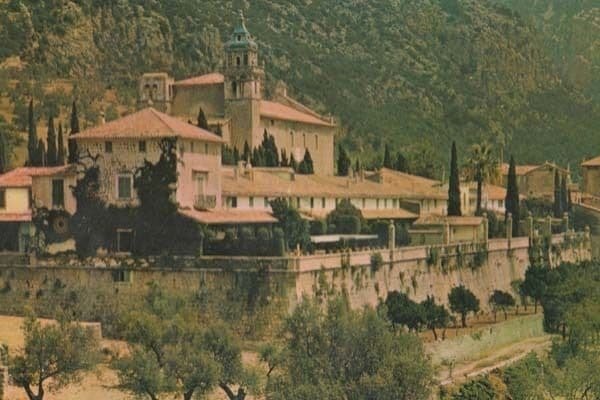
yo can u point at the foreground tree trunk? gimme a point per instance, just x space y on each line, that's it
463 319
241 393
435 336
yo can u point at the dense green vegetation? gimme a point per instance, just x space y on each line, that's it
570 297
393 71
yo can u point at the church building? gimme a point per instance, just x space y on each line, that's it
233 101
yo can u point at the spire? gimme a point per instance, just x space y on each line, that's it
241 39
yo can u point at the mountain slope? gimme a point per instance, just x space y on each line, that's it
412 73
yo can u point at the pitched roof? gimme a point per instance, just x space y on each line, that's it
23 177
525 169
147 123
273 110
452 221
12 217
207 79
230 217
282 183
594 162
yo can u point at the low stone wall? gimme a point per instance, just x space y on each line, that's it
418 271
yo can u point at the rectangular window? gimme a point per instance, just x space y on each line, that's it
191 147
267 202
58 193
385 203
124 187
323 203
364 203
108 147
312 202
142 146
2 198
122 276
377 203
125 240
205 148
395 203
251 202
232 202
297 202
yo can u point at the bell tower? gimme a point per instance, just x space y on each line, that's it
243 86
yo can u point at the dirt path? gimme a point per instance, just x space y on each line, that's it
497 359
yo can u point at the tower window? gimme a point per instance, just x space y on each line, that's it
238 61
239 38
245 59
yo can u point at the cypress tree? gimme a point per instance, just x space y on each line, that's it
512 196
306 166
387 158
236 155
3 153
564 195
40 158
202 121
73 152
60 152
247 155
32 140
344 162
52 154
284 159
558 207
401 163
454 185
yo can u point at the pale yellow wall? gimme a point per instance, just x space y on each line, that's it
305 137
591 180
126 159
17 201
42 192
187 101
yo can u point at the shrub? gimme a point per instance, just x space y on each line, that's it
318 227
376 262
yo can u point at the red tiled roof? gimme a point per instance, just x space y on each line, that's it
147 123
11 217
208 79
594 162
22 177
270 109
226 217
525 169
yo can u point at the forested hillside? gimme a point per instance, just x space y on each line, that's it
411 73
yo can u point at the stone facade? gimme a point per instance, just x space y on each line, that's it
234 103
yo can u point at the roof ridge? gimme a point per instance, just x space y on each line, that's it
161 118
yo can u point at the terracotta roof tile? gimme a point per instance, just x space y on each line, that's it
22 177
594 162
279 183
11 217
271 109
226 217
208 79
147 123
525 169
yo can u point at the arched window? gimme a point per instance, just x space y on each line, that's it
239 38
